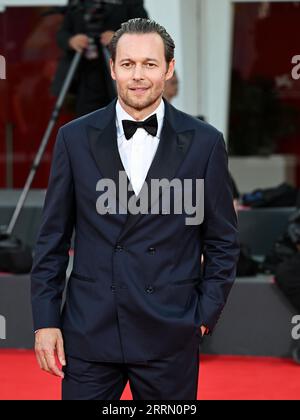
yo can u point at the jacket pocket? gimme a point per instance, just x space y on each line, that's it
82 278
185 282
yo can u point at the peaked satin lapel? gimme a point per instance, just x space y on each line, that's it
104 147
171 152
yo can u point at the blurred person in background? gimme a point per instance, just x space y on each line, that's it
89 26
171 88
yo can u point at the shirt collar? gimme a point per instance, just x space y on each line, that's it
121 115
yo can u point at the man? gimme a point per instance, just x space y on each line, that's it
137 301
89 26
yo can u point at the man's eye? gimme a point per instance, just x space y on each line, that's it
150 65
127 65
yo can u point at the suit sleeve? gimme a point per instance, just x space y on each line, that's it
51 258
220 237
136 9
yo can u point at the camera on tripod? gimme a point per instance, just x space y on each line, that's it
94 16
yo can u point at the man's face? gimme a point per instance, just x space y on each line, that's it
140 70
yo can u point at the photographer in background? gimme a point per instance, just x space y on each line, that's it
89 26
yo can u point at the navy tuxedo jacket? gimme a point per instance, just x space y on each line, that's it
137 290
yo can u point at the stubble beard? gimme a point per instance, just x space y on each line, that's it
140 105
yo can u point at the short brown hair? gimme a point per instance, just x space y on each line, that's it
143 26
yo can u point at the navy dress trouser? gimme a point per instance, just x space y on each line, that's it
172 378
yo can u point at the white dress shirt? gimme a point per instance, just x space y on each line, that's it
138 153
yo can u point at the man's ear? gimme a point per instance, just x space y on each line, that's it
112 69
171 69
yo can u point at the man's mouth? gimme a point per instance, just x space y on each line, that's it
139 89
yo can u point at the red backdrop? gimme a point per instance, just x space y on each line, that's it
266 37
29 46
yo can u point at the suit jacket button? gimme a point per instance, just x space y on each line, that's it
150 290
119 247
113 288
152 251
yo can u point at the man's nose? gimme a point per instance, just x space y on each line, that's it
138 72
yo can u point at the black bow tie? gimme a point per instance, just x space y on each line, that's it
150 125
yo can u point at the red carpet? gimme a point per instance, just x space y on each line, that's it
222 377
